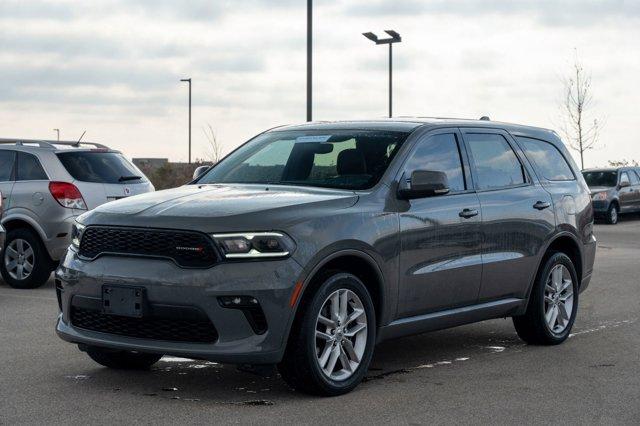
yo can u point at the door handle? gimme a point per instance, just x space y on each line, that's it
468 213
541 205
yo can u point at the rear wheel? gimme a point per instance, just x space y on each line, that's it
122 360
331 346
25 262
553 303
612 214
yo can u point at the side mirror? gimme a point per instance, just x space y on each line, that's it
625 184
424 183
200 171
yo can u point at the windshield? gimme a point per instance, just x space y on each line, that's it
100 167
602 178
352 160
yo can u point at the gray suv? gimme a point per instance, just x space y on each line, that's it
44 186
614 191
309 244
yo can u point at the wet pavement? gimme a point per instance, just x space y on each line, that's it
478 373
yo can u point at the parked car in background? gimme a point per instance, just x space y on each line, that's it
614 191
2 230
45 185
310 244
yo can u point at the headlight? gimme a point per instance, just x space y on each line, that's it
600 196
254 245
76 235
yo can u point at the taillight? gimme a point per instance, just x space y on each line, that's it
67 195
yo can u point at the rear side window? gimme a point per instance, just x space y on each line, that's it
100 167
547 159
7 160
439 153
634 178
497 166
29 168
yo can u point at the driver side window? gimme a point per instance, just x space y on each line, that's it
439 153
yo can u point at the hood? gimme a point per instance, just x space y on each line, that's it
596 189
220 207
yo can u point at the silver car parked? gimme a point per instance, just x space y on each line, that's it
44 186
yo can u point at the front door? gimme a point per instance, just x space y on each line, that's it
626 195
517 214
440 260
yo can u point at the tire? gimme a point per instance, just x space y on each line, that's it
612 214
34 257
300 367
122 360
533 327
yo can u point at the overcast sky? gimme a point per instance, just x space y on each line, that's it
113 67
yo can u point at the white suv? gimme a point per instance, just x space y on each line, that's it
44 186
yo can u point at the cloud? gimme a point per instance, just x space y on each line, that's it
547 12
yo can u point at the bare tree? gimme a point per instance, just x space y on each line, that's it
623 163
581 132
213 152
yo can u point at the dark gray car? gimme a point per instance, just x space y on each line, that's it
310 244
614 191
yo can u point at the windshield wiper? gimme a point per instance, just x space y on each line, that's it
127 178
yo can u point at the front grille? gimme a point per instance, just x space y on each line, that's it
187 249
155 328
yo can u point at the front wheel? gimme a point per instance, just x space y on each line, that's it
331 346
122 360
612 214
553 303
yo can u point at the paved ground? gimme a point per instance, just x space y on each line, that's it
474 374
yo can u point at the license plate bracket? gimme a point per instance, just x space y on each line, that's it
123 301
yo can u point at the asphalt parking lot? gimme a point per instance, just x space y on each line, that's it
480 373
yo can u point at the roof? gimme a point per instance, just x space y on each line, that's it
408 124
50 144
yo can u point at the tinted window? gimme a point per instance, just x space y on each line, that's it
439 153
100 167
497 166
348 159
624 177
7 160
29 168
634 178
547 159
608 178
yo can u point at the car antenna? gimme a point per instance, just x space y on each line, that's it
81 136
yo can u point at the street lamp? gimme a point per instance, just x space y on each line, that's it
309 60
188 80
57 131
394 38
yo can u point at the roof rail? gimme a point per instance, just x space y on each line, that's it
50 144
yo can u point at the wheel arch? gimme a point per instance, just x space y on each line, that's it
353 261
17 222
567 243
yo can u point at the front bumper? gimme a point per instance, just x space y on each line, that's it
270 282
600 207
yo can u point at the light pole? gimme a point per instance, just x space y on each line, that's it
309 60
395 38
58 132
188 80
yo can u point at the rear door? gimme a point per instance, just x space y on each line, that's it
7 169
103 176
517 213
440 260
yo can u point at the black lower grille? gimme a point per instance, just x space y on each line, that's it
187 249
155 328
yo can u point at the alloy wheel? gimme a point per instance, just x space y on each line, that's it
19 259
558 299
341 334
